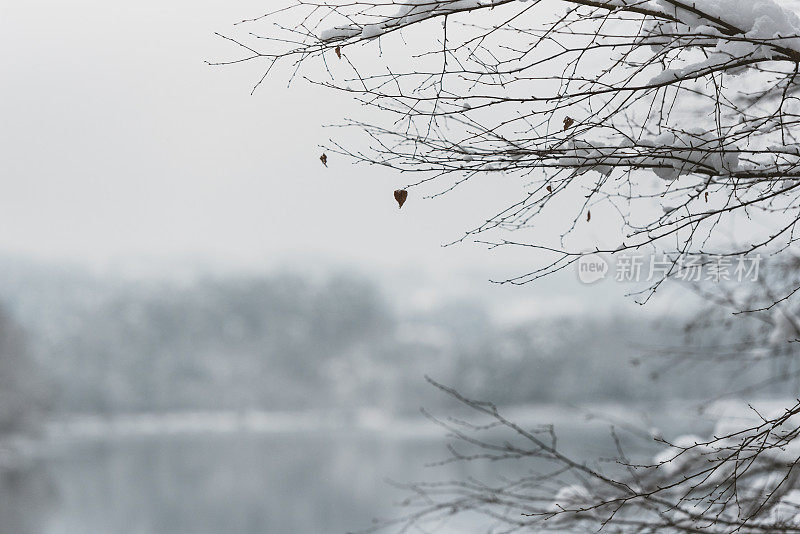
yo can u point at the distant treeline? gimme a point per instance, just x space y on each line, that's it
292 342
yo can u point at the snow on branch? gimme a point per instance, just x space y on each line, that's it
743 479
671 121
584 100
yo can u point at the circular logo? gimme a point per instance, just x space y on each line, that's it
591 268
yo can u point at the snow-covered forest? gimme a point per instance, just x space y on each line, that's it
295 342
340 346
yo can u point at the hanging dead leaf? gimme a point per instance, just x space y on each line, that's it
324 159
588 216
549 188
568 122
706 197
338 51
400 195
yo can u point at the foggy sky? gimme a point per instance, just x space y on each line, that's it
120 147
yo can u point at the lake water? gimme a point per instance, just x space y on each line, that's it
241 480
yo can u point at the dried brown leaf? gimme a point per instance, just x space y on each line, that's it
400 195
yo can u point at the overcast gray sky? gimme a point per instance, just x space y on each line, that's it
119 140
119 144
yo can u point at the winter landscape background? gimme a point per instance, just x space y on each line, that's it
204 330
285 401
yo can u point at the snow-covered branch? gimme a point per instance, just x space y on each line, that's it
583 100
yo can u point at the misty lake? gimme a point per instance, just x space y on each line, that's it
210 478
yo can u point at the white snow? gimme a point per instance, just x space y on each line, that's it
783 329
409 12
764 24
570 498
759 20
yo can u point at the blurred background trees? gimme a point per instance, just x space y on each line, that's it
296 341
22 387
